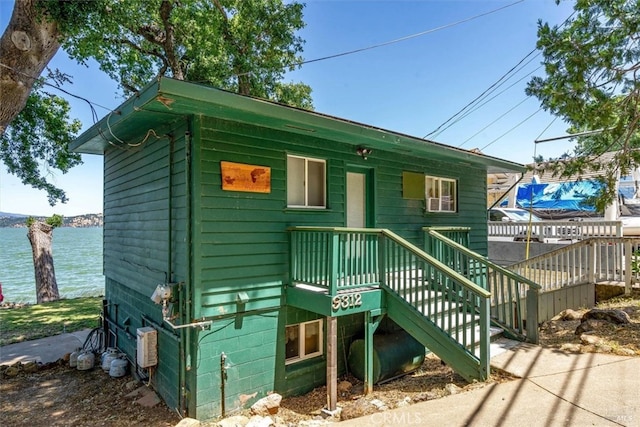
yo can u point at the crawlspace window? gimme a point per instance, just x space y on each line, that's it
306 182
440 194
303 340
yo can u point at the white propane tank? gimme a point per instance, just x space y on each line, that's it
73 358
109 356
118 367
86 360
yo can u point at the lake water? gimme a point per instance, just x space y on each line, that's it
77 259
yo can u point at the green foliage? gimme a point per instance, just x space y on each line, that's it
51 318
592 64
69 15
37 140
55 220
244 46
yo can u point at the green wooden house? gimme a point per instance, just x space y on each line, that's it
259 241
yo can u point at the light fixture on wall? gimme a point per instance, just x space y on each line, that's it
363 152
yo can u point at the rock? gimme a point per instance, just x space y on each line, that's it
587 339
618 317
30 367
379 404
451 389
131 385
235 421
344 387
404 402
268 405
259 421
590 325
11 372
188 422
626 351
603 348
573 348
424 396
567 314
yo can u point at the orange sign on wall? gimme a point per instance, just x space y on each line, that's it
249 178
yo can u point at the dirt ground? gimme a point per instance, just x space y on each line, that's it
57 395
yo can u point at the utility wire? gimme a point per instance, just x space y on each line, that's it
484 93
493 122
489 90
512 129
401 39
43 80
486 101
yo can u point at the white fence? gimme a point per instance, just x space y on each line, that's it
544 231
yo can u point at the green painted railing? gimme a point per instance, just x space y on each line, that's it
446 311
509 290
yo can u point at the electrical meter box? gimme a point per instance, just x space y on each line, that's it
147 346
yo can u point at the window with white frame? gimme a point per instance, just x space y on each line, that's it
303 341
306 182
440 194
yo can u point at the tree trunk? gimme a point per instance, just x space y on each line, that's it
26 47
40 235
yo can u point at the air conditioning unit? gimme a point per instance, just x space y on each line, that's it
433 204
147 346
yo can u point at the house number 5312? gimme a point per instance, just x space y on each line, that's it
346 301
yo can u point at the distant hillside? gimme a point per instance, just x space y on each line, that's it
7 214
18 220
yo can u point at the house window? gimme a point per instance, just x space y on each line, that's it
303 341
306 182
440 194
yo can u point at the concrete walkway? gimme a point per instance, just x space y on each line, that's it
44 350
555 389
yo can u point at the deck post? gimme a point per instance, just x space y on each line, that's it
369 329
532 316
332 363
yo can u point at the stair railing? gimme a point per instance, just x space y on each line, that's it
509 290
336 259
597 259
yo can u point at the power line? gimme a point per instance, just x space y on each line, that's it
477 107
512 129
493 122
45 83
477 98
462 113
398 40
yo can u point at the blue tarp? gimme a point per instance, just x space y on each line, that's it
558 196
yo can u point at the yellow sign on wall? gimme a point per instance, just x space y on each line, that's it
248 178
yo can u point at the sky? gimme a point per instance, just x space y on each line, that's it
450 53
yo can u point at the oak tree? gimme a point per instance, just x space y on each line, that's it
245 46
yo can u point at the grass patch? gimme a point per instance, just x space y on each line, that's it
52 318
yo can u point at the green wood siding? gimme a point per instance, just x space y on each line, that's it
145 244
